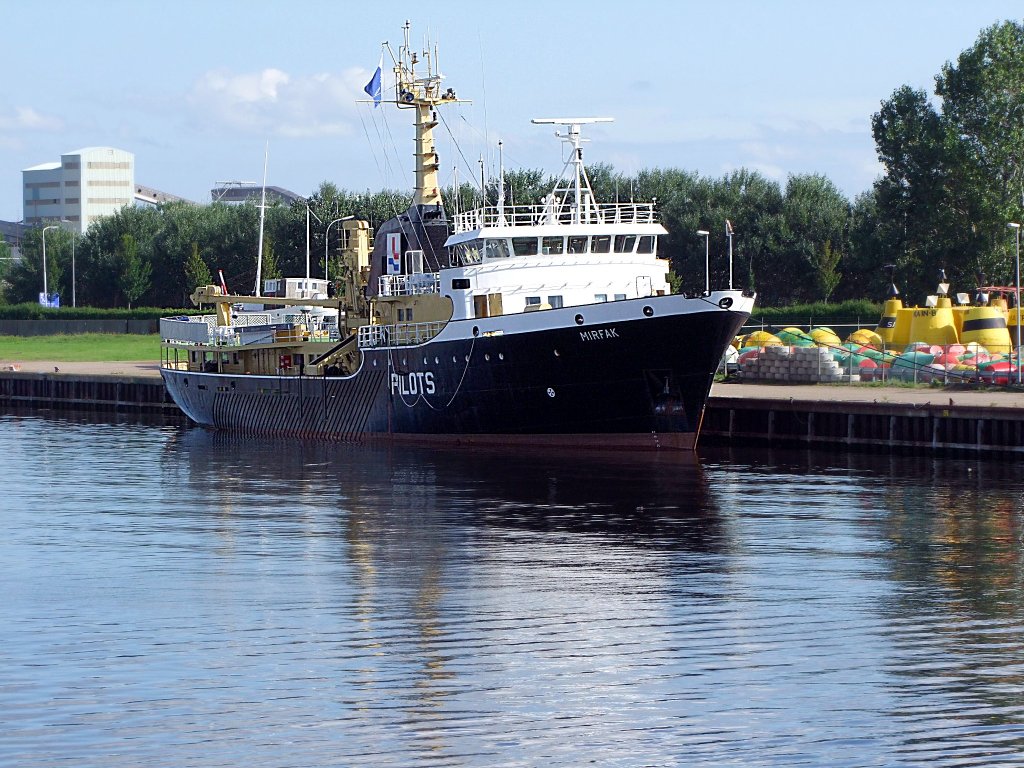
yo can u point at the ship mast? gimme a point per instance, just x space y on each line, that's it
422 93
579 185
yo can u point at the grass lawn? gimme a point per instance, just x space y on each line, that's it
82 348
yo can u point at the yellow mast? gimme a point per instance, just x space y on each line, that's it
422 94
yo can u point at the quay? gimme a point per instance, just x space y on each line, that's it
940 420
954 420
123 387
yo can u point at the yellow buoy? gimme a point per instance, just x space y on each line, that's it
986 326
825 337
761 339
1011 324
888 329
934 325
866 338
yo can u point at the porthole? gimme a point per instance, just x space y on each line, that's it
649 311
579 319
476 331
501 355
487 356
557 353
467 358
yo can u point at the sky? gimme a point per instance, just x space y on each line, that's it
199 91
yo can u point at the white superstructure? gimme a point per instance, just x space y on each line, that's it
568 251
85 185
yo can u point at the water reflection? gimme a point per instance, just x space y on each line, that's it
182 597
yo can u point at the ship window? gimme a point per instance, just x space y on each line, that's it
601 244
600 297
496 248
524 246
468 253
401 314
555 302
532 301
408 315
553 245
620 297
646 244
578 244
625 243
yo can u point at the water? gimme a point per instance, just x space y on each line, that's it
172 597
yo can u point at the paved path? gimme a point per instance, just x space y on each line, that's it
141 369
798 392
872 394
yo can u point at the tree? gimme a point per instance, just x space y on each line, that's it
816 222
954 176
196 271
134 273
828 274
5 268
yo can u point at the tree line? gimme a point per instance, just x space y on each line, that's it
953 177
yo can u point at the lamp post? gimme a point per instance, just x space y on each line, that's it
707 259
46 292
1015 226
728 231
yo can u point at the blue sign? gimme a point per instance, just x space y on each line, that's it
53 300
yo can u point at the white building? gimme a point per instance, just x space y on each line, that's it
85 185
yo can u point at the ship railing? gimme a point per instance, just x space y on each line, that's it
410 285
538 215
398 334
203 329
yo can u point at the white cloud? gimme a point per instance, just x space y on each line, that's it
21 118
272 101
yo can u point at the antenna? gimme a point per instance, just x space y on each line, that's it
582 193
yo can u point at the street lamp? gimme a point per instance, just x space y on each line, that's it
327 240
46 292
1015 226
707 259
728 231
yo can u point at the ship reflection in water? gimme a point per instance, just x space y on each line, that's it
179 597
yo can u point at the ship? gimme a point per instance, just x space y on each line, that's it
551 324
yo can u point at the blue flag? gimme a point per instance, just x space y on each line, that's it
373 87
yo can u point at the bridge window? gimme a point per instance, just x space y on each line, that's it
553 245
467 253
495 248
625 243
646 244
601 244
578 244
524 246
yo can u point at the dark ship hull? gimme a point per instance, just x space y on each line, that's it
633 373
